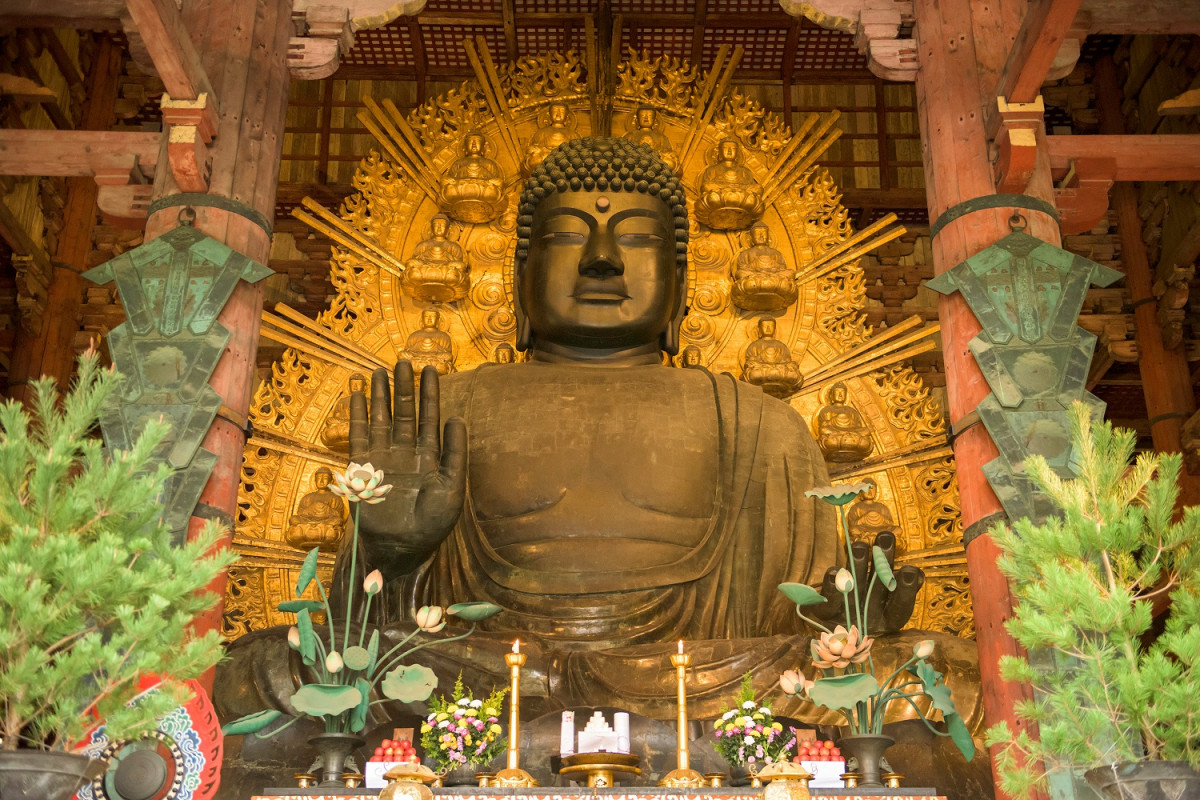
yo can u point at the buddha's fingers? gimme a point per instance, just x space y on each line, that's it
454 452
404 417
430 425
358 427
381 411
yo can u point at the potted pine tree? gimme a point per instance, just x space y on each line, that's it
1122 697
94 595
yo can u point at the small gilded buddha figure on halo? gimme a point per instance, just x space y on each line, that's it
556 125
762 280
473 188
868 516
504 354
335 432
429 345
437 270
320 518
840 430
730 198
644 129
690 358
768 363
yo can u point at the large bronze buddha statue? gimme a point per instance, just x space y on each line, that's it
609 503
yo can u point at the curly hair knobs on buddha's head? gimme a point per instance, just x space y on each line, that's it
603 164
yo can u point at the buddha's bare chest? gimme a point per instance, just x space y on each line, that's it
561 441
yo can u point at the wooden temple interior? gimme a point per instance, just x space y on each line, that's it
1092 106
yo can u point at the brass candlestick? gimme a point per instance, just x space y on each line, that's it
683 776
512 776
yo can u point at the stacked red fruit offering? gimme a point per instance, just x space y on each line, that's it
396 751
818 751
824 761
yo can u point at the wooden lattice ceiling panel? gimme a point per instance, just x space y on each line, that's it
764 46
550 39
463 6
675 42
742 6
444 43
655 7
819 49
389 46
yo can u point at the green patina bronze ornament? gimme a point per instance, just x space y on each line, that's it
172 288
1027 293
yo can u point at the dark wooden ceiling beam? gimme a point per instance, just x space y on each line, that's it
171 49
745 76
420 72
699 20
82 153
1042 34
509 18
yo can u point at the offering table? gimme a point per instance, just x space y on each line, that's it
613 793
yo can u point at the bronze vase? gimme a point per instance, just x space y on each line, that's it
39 775
867 749
1145 780
333 750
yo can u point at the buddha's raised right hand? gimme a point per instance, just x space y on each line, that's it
426 466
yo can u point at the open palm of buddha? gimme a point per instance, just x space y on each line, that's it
610 504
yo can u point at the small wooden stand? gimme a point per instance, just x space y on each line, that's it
600 768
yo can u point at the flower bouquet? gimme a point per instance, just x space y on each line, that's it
747 735
849 684
348 666
463 731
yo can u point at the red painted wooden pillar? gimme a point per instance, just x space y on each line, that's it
950 107
243 46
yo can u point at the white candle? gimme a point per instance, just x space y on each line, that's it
566 739
517 646
681 647
621 724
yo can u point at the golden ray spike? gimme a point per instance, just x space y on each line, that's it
343 233
305 346
717 95
852 255
803 159
323 340
283 443
847 245
284 310
864 367
805 165
797 137
783 169
710 82
387 125
893 338
912 454
489 86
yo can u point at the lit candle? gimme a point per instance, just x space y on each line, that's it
681 647
566 739
517 646
621 726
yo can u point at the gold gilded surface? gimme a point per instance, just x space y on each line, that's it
477 137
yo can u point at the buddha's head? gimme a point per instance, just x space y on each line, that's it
558 115
440 226
503 354
872 489
766 327
760 234
473 144
322 477
691 356
728 150
358 382
837 394
429 318
601 264
646 116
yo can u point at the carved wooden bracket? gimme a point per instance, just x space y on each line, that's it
1172 294
1082 196
125 206
190 163
876 27
1016 144
325 32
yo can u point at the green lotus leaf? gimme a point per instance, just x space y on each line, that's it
838 495
934 685
960 735
293 606
358 720
844 691
372 651
474 612
251 723
307 572
308 639
325 699
882 568
801 594
409 684
356 657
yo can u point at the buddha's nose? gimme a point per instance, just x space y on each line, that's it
601 258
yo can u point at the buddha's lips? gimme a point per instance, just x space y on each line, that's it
600 291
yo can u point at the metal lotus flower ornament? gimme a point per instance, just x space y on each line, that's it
843 655
341 679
